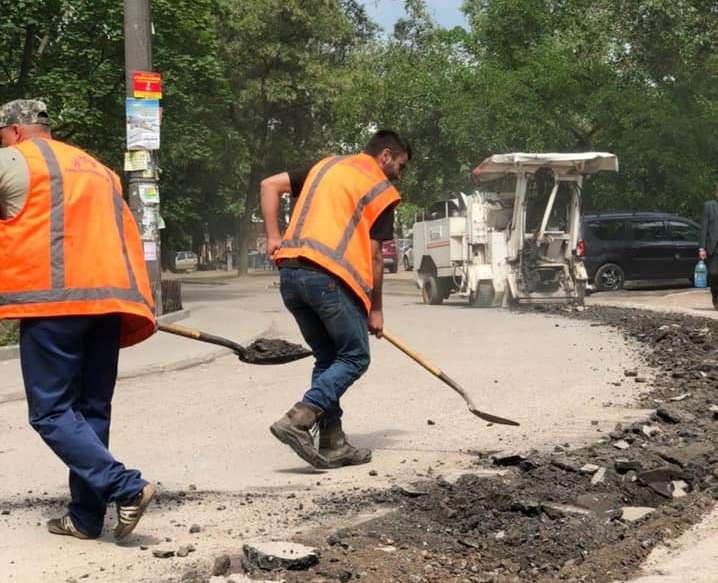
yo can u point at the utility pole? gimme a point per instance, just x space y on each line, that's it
143 178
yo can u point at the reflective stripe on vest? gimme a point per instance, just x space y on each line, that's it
59 292
336 254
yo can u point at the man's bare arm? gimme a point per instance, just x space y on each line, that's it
271 192
376 315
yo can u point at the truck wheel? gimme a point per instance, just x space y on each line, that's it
609 277
430 293
394 267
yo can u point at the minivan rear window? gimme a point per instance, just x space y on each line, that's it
649 231
683 231
608 230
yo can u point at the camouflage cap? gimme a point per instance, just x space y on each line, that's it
24 112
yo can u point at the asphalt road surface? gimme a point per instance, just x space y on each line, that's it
203 431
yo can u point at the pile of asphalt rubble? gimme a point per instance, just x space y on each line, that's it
591 514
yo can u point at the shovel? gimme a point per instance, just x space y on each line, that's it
261 351
438 373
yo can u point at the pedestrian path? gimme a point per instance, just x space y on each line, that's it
163 352
692 302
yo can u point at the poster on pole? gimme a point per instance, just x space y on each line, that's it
149 193
143 124
137 160
146 85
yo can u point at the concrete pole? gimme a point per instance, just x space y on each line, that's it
138 57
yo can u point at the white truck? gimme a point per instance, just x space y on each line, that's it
514 240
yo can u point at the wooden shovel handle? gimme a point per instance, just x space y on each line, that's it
411 354
202 337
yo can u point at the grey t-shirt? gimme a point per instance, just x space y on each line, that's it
14 182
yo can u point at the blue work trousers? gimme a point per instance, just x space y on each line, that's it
69 365
334 324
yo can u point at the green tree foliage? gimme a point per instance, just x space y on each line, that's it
253 87
286 64
634 77
70 54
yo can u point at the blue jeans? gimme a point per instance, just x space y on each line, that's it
69 365
334 324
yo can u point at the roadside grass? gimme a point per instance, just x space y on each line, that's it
9 332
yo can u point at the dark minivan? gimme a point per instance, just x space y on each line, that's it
619 246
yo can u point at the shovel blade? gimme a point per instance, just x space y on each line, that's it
493 418
273 351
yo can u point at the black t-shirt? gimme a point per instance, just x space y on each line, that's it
381 230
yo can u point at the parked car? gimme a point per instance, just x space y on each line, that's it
404 253
407 259
619 246
390 255
186 261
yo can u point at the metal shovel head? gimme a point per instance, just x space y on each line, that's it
273 351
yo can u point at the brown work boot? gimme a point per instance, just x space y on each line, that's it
333 445
293 429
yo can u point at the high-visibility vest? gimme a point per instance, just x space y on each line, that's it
74 248
341 198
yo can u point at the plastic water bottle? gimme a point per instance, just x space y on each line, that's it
700 275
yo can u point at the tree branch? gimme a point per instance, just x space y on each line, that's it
26 63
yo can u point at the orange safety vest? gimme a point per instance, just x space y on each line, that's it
74 248
341 198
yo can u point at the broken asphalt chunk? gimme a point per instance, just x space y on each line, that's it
221 565
599 477
163 553
672 414
274 556
565 464
623 465
508 458
410 491
635 513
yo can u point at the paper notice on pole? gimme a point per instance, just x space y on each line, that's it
143 124
148 217
149 193
137 160
146 85
150 251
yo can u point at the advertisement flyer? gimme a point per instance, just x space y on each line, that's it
146 85
143 124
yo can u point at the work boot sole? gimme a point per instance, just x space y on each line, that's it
357 459
312 456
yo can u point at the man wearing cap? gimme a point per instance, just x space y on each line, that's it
72 271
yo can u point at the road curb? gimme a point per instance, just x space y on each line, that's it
13 352
9 352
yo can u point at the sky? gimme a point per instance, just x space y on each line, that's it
446 13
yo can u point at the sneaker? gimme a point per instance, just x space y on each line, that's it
130 511
65 526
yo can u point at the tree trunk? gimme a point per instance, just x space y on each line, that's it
245 223
251 202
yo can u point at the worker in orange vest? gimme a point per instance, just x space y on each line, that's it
331 270
73 273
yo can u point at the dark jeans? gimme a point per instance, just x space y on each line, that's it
334 324
69 365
